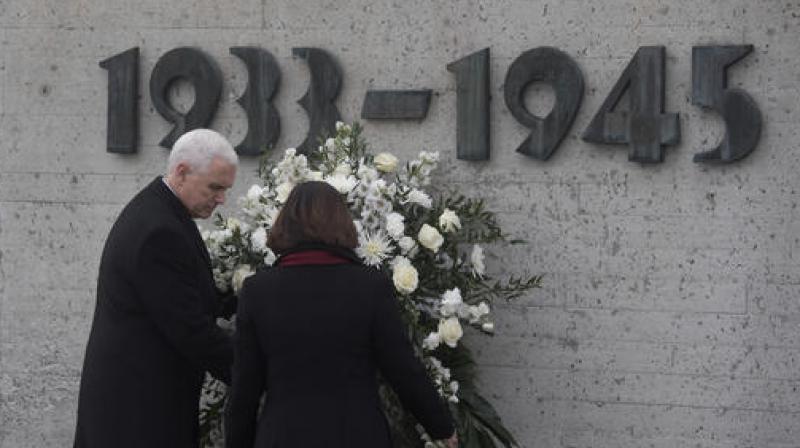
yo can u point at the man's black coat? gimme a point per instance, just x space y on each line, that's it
154 332
313 338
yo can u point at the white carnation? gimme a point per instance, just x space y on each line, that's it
432 341
259 239
430 238
451 302
419 197
342 183
448 221
395 225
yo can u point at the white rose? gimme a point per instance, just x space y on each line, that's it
419 197
449 221
450 331
405 277
478 267
239 274
430 238
385 162
283 191
394 225
432 341
259 239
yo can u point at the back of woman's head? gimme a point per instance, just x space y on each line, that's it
314 212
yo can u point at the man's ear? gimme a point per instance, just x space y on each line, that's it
182 169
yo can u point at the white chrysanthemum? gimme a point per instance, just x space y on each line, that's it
476 259
448 221
419 197
258 239
395 225
342 183
373 248
451 302
430 238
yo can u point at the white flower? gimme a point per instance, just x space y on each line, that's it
270 257
432 341
448 221
283 191
343 169
394 225
430 238
385 162
259 239
478 268
419 197
330 144
406 244
342 183
405 276
254 193
477 312
314 175
233 224
450 331
373 248
451 302
340 126
487 327
239 274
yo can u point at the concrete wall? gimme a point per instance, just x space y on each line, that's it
670 315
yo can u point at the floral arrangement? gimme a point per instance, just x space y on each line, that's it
431 249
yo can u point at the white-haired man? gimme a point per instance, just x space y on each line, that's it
154 332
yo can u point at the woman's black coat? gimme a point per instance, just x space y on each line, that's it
154 332
312 337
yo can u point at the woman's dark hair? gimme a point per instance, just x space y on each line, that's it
314 213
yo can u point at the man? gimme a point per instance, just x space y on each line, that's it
154 332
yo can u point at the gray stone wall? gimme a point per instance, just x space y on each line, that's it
670 313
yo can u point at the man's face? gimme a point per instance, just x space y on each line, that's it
202 192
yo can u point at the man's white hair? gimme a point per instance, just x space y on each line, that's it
198 147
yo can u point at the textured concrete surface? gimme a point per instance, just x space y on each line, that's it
670 313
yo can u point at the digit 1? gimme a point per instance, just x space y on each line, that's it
263 121
200 70
644 126
122 125
472 105
323 89
552 66
737 108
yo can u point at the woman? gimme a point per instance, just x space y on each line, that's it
312 333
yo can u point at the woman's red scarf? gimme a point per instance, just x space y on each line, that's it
311 257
